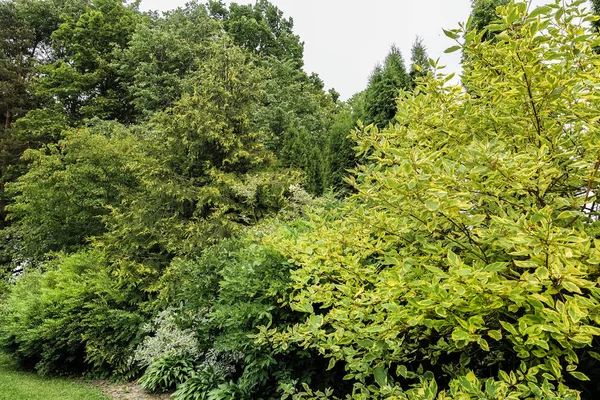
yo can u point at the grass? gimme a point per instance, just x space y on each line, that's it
19 385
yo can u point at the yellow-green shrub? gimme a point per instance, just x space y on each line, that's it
466 264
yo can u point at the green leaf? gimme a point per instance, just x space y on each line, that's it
432 204
539 11
453 259
579 375
495 334
332 362
450 34
452 49
380 374
402 371
496 267
459 335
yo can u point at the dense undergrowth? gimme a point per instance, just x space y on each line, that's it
190 238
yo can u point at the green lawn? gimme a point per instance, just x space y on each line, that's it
18 385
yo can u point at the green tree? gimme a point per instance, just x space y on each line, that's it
59 203
162 53
25 41
483 13
295 115
207 175
466 264
384 88
342 156
419 61
83 81
260 28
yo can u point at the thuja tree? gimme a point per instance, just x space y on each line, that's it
466 265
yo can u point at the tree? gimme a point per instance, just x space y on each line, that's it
384 88
260 28
83 81
342 156
483 13
59 203
25 30
207 174
419 61
295 114
162 54
465 266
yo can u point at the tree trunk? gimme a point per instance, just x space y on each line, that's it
8 120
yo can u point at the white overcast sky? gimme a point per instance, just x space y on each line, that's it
344 39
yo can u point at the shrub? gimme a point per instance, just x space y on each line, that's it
199 385
466 264
242 284
166 373
168 340
71 319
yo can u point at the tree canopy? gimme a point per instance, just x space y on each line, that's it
182 204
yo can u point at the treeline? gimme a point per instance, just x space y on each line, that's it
182 204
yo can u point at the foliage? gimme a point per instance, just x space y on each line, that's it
162 54
59 203
25 29
465 266
83 79
596 10
384 88
246 281
132 146
483 13
70 319
419 62
260 28
295 115
342 157
199 386
169 340
206 175
166 373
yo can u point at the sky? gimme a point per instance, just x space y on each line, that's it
345 39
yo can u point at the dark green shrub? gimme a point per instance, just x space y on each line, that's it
166 373
238 285
199 386
71 319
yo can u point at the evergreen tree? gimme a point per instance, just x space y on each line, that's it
419 61
596 10
296 115
384 88
483 13
342 156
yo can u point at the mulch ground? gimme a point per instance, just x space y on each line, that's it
127 391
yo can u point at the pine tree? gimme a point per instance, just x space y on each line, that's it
483 13
419 61
384 88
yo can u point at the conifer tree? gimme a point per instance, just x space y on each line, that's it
384 88
419 61
483 13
